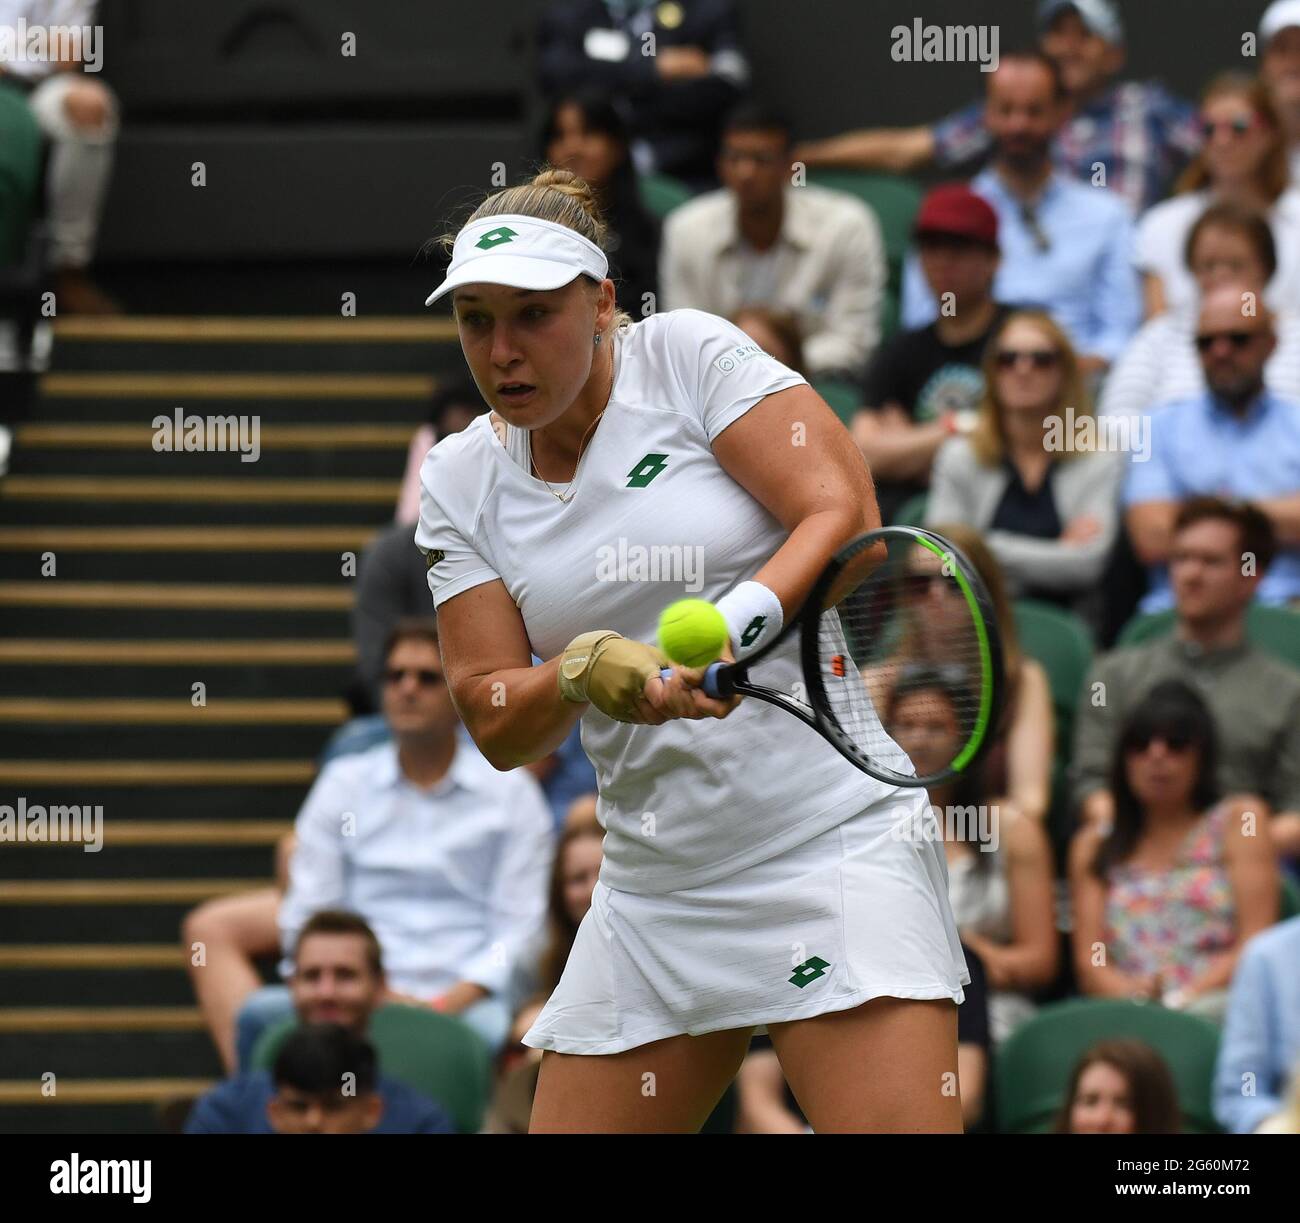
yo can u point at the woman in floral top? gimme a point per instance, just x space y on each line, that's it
1166 897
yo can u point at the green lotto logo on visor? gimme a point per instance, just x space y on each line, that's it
495 237
646 470
808 971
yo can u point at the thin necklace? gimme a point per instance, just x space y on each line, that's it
565 498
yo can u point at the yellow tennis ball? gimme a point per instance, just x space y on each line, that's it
692 632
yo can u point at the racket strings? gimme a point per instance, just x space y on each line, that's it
901 663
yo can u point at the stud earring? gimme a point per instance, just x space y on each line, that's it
598 339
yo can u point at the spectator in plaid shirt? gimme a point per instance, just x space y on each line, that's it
1139 132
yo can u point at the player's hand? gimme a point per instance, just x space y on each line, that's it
622 679
683 696
613 672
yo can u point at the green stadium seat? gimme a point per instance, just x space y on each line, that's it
894 200
1143 628
844 397
1062 643
661 194
434 1053
1274 629
1289 903
1033 1067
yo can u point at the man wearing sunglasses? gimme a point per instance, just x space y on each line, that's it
447 859
1235 439
1253 697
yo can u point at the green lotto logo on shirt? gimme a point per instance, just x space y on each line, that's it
495 237
809 971
646 470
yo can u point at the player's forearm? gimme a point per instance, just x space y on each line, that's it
518 716
799 561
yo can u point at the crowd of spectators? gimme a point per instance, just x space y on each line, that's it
1115 245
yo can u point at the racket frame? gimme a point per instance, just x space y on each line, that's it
727 679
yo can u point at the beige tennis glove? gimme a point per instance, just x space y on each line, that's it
610 671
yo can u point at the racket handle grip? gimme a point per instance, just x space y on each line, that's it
710 684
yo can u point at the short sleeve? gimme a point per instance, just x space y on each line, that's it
453 565
722 369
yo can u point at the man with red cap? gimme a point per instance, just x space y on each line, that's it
924 385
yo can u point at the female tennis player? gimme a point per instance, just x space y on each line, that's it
751 874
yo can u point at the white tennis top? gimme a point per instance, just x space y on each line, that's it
653 518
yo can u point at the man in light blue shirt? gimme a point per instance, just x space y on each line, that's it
1260 1049
446 858
1067 246
1236 440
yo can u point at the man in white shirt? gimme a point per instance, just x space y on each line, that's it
761 241
52 53
447 859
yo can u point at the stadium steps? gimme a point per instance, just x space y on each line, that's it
173 568
343 451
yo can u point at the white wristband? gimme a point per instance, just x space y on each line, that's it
753 615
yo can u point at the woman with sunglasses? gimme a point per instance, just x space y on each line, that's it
1166 897
1232 245
1243 161
1026 477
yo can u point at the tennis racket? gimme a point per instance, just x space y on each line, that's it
898 632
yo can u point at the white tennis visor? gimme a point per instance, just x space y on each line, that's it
522 252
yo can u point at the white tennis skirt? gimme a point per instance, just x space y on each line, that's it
858 912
